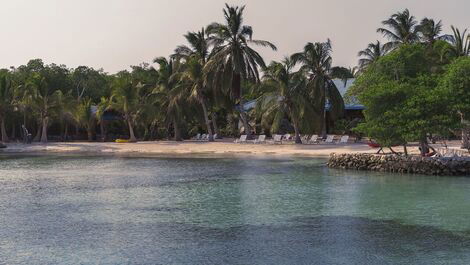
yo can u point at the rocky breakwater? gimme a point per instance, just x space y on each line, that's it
455 166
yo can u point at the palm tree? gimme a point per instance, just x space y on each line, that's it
400 28
195 56
44 100
85 116
125 98
192 77
430 30
315 61
371 54
232 59
460 42
285 94
102 107
6 101
169 95
198 45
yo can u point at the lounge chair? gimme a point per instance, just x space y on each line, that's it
204 137
197 137
344 139
313 139
242 139
215 136
329 139
277 138
261 139
287 137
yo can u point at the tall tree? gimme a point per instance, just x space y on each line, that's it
195 56
315 61
371 54
85 116
232 59
285 95
6 101
430 31
125 98
400 28
460 42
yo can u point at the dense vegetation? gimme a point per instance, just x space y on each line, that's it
415 85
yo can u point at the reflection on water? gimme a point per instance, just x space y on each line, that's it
109 210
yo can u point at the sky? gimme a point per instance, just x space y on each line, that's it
115 34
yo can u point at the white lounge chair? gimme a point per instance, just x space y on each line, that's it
242 139
277 138
287 137
215 136
204 137
197 137
261 139
344 139
313 139
329 139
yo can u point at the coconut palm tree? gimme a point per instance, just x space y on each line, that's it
371 54
430 31
232 59
195 56
44 101
84 115
315 61
169 95
460 42
400 28
6 101
102 107
198 45
192 78
285 95
125 99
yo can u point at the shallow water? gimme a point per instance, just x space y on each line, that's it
117 210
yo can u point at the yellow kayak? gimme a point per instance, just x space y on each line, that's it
122 141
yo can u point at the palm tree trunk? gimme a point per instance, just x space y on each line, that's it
297 133
102 130
246 125
465 133
206 119
89 134
131 132
37 137
13 132
66 131
176 127
214 123
44 130
4 130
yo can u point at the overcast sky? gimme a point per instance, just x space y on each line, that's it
114 34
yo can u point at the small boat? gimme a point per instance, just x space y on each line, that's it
122 141
374 145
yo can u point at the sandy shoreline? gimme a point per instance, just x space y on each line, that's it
221 147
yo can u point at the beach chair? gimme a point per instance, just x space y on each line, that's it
197 137
204 137
277 138
215 136
329 139
242 139
344 139
313 139
287 137
304 139
261 139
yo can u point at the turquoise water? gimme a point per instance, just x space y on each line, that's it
117 210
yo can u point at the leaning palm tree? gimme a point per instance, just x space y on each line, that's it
232 59
285 95
192 78
400 28
6 101
125 98
371 54
315 61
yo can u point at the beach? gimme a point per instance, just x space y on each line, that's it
220 147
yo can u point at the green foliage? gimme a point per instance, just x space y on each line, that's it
456 86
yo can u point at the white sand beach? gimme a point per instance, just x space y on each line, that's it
220 147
